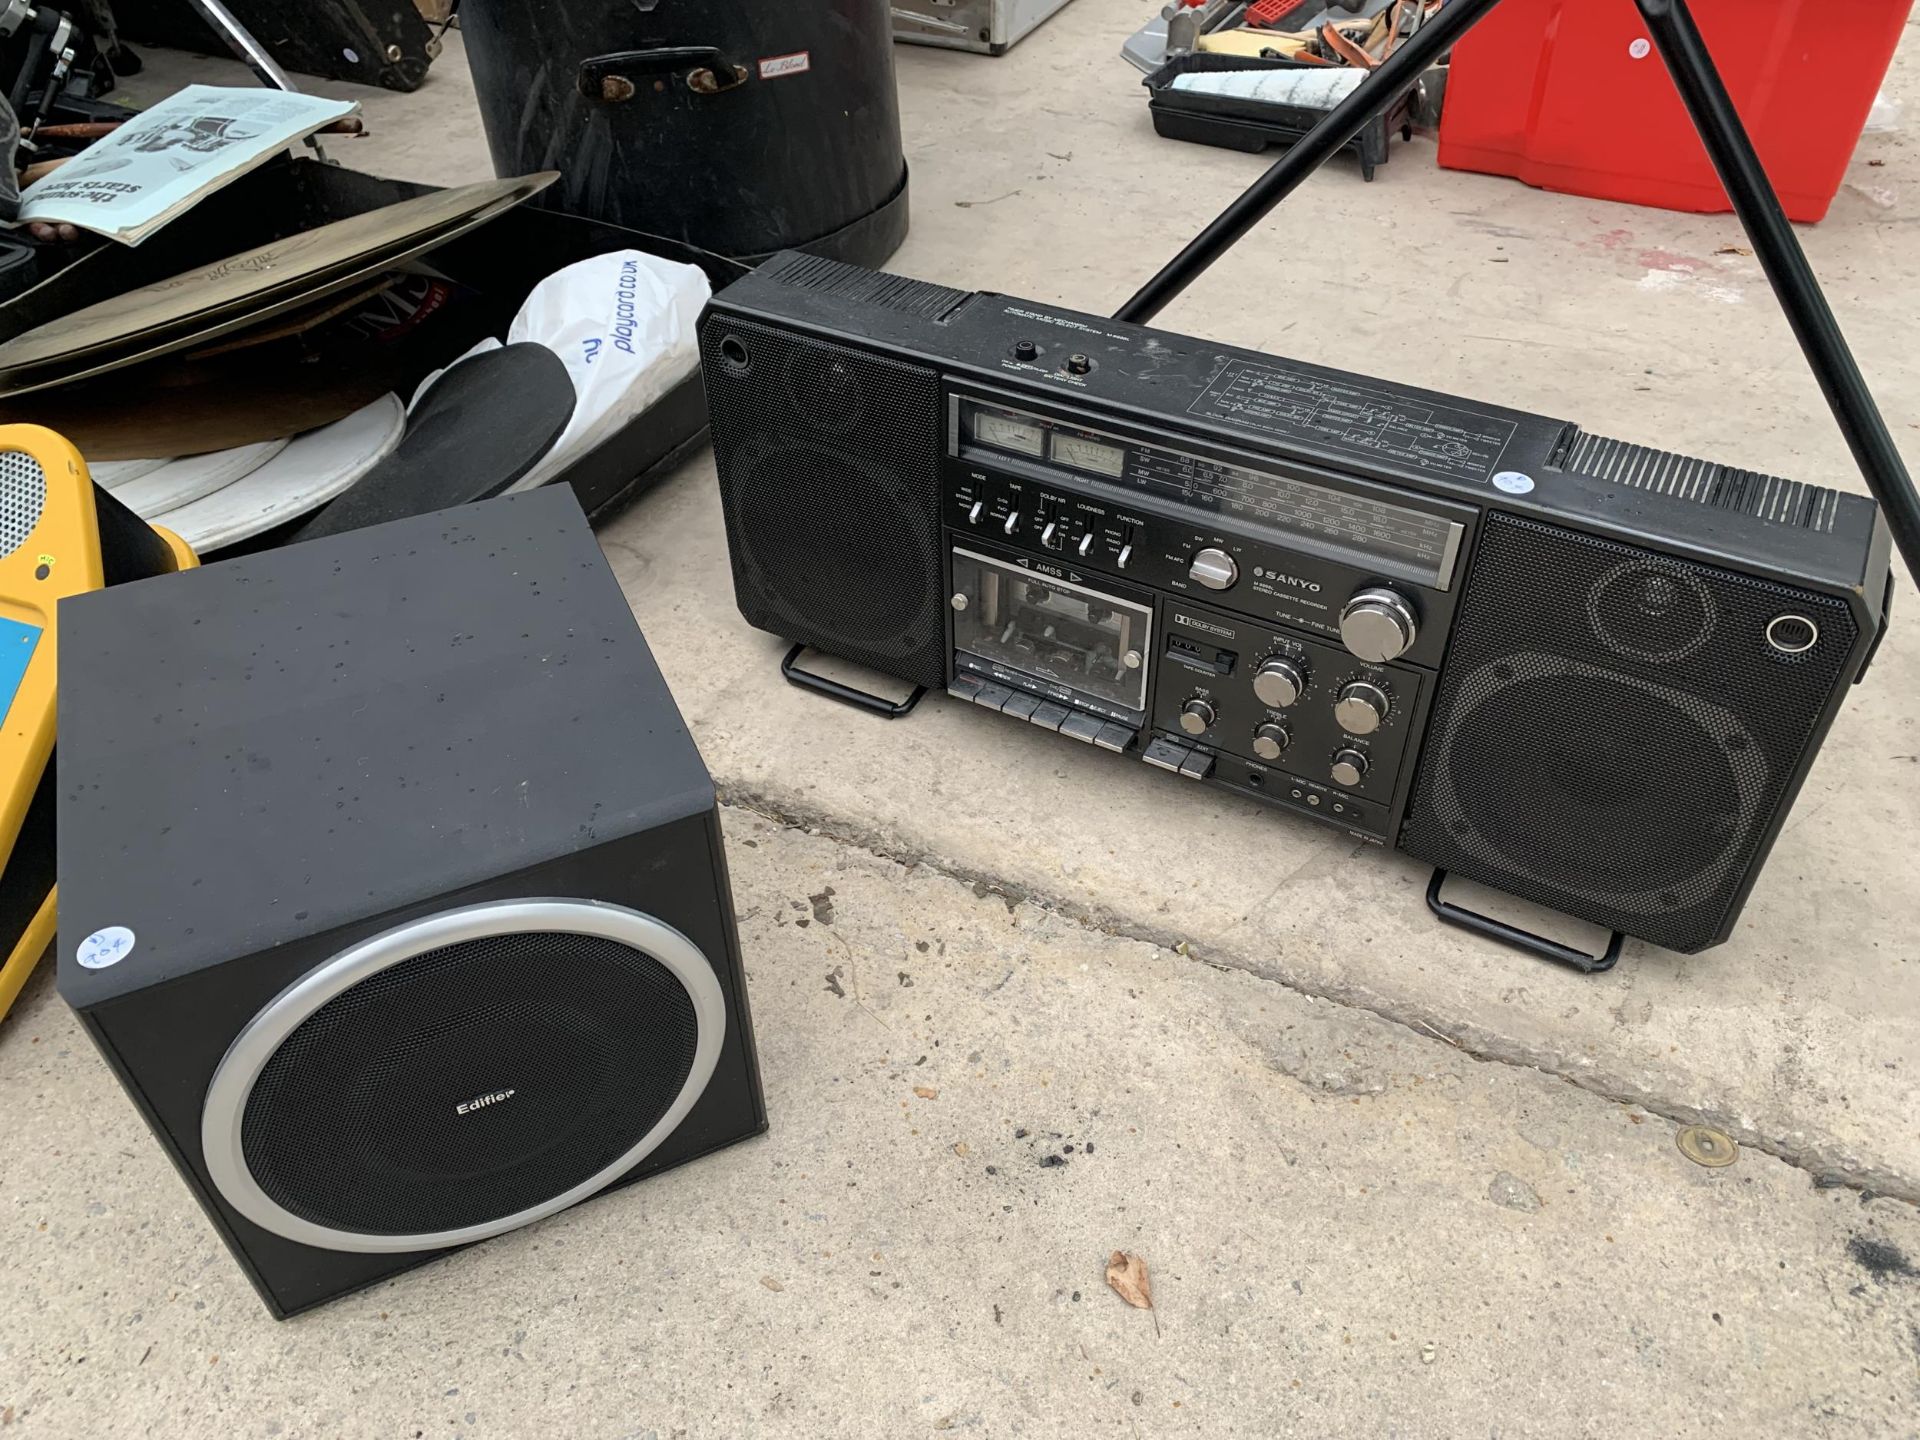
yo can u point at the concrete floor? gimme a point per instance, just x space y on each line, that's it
1343 1136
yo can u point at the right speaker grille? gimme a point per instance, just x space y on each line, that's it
829 481
1616 730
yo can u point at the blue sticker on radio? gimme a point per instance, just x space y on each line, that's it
16 649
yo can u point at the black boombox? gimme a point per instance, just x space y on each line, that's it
1579 670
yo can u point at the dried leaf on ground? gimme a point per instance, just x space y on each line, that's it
1127 1275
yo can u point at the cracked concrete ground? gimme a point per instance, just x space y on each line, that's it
1351 1228
1360 1102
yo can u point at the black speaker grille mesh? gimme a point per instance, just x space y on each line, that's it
354 1123
1614 734
829 478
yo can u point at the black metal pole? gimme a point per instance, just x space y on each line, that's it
1418 51
1794 285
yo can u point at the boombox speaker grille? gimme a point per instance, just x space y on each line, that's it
1616 730
829 480
463 1075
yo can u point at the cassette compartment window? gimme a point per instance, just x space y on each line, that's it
1058 632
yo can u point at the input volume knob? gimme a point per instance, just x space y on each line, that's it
1213 568
1278 682
1270 741
1197 715
1349 768
1361 708
1378 625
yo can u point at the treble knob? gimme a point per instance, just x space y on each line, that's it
1378 625
1270 741
1279 681
1197 715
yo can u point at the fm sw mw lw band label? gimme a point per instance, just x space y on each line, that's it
1340 415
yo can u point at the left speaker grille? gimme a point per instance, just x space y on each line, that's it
828 462
573 1047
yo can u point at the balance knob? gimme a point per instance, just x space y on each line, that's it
1270 740
1213 568
1278 682
1349 768
1378 625
1361 707
1197 715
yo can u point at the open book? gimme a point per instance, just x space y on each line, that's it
160 163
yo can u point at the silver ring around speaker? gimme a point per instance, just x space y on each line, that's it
226 1104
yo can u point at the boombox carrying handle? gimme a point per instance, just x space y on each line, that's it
847 694
1694 75
1520 939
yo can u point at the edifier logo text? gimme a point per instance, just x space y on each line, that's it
1189 621
480 1102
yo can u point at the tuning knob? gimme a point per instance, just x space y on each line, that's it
1361 708
1270 741
1378 625
1349 767
1213 568
1197 715
1279 681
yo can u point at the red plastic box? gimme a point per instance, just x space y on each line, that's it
1570 95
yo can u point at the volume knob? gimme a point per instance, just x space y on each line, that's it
1270 741
1378 625
1278 682
1361 708
1349 768
1197 715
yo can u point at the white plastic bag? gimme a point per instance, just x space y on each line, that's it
623 325
1884 117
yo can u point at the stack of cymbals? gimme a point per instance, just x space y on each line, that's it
255 288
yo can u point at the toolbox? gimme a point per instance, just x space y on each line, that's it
1253 125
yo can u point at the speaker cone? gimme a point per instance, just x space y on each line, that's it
462 1075
1651 610
1596 782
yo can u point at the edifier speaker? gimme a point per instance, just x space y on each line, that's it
391 887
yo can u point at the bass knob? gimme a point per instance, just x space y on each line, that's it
1197 715
1378 625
